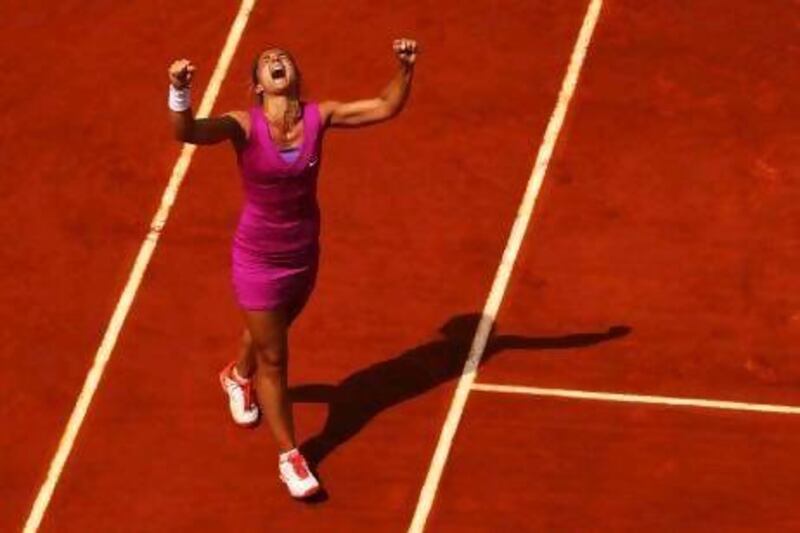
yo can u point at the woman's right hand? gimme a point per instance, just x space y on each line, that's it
181 73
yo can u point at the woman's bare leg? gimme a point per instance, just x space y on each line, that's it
246 366
269 337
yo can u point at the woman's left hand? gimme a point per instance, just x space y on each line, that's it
406 50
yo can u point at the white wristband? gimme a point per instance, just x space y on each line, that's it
179 99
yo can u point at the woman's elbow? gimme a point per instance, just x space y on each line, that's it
182 135
386 110
394 110
181 128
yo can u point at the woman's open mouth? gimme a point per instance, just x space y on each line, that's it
277 71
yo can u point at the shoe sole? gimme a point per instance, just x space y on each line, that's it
307 494
310 492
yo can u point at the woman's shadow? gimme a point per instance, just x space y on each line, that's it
361 396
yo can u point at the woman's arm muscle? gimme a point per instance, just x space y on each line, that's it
388 104
372 110
231 126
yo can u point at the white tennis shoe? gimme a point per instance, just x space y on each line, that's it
294 472
241 396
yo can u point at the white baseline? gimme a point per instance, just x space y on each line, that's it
703 403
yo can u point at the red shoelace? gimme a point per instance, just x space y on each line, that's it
299 465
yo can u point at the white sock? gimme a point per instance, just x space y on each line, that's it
285 455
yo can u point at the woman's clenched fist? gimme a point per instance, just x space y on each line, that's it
181 73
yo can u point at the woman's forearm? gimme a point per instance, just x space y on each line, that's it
396 93
184 126
181 73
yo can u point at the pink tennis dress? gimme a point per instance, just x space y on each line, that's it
276 244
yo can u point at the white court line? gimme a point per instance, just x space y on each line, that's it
428 491
639 398
103 353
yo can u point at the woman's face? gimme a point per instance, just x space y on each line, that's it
276 72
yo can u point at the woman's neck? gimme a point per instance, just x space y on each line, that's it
281 110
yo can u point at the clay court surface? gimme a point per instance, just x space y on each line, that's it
642 371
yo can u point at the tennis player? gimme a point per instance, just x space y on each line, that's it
275 254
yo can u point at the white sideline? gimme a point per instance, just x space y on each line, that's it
672 401
103 353
428 491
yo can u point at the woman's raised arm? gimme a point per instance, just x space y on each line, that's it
388 104
228 127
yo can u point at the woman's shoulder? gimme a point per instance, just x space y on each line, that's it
324 109
312 104
242 118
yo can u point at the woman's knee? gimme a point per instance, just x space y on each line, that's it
268 337
271 357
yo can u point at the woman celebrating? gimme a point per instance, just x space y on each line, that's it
276 245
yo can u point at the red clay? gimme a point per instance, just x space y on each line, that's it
668 209
671 208
415 215
85 156
564 465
